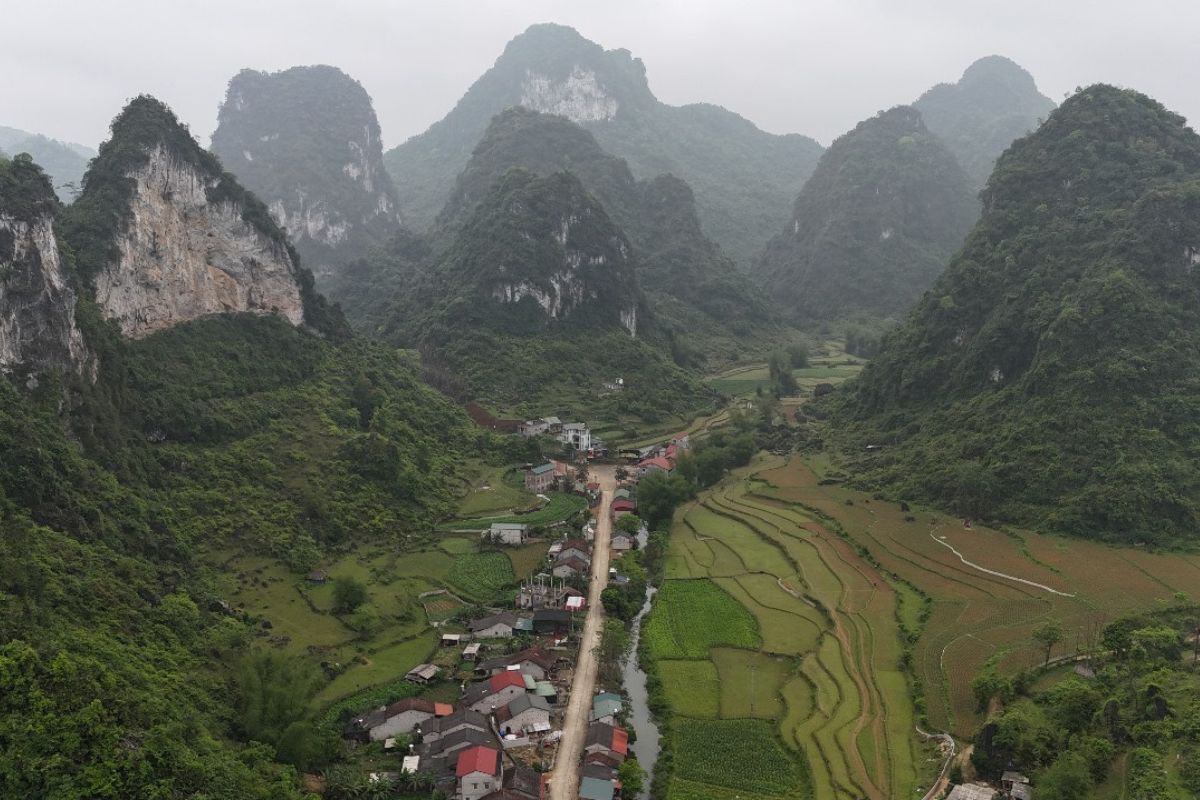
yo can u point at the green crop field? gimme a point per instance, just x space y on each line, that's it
692 687
494 490
528 558
740 755
692 616
481 576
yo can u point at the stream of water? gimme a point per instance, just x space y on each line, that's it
646 747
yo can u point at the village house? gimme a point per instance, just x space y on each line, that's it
577 436
591 788
533 661
541 478
498 690
496 626
606 706
317 577
521 783
422 673
514 533
550 621
682 441
622 541
1016 784
570 567
656 464
539 427
478 772
404 715
445 749
609 741
577 548
971 791
526 714
462 719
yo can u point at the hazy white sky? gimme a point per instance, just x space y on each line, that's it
815 67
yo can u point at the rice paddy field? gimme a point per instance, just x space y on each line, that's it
785 608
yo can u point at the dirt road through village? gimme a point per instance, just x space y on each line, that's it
564 783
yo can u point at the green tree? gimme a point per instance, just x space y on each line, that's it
1068 778
348 594
629 523
658 496
1048 634
273 691
632 778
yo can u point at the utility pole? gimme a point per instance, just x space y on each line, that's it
753 667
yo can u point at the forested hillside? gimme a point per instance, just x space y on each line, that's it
873 227
237 432
1049 378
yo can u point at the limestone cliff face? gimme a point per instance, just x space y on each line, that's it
37 304
184 255
306 141
579 96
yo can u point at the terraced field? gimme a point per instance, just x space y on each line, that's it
825 675
987 589
828 578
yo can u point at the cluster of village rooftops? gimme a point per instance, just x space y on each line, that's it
515 666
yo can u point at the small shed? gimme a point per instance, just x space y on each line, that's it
411 764
317 577
422 673
471 652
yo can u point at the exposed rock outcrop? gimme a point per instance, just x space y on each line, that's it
165 236
306 141
37 304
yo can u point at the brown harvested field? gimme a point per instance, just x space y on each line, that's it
976 615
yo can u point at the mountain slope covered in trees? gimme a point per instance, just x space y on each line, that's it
743 177
307 142
233 432
873 227
1050 377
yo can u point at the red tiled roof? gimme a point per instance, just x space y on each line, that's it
671 451
681 435
478 759
442 709
623 505
620 741
506 678
660 462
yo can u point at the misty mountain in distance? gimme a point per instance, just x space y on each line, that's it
64 162
994 102
743 177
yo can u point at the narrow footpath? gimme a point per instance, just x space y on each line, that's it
564 781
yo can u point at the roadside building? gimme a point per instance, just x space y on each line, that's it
622 541
596 789
570 567
551 620
525 714
605 739
606 706
533 661
576 435
576 548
